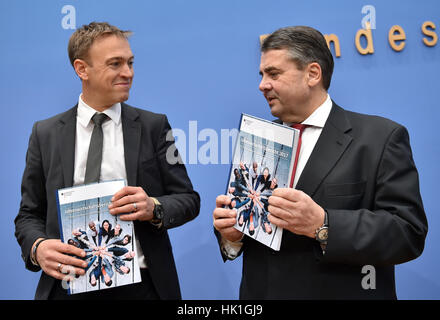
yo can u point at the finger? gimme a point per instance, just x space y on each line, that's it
128 208
221 213
69 249
127 190
137 198
278 222
62 272
283 203
288 194
124 200
221 224
222 200
68 260
54 273
226 221
280 213
66 269
130 216
52 248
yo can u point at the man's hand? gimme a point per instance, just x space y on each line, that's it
132 203
54 258
295 211
224 219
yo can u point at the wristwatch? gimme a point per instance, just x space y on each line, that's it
157 212
321 234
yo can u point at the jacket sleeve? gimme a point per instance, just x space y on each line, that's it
31 219
394 231
180 202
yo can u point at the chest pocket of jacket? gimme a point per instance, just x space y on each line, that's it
344 196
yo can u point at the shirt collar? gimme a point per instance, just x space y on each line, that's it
319 117
85 112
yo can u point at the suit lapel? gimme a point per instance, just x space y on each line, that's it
329 148
132 136
66 144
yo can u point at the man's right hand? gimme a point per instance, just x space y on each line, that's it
225 219
54 258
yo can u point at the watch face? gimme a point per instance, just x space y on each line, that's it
323 234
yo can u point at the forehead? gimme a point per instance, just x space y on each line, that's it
276 58
110 46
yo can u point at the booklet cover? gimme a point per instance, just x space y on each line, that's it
109 243
262 161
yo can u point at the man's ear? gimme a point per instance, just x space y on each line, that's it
81 67
314 73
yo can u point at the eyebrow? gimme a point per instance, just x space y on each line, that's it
119 58
269 69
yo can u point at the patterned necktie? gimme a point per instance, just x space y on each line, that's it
301 128
94 157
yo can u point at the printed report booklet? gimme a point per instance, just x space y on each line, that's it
109 243
262 161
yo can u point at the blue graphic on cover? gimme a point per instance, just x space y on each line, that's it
262 162
109 243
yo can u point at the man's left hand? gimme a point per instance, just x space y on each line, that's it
132 203
295 211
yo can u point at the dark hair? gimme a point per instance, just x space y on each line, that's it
305 45
128 238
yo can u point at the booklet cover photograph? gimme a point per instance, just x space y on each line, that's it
109 243
262 162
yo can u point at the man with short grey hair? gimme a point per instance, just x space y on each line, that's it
353 201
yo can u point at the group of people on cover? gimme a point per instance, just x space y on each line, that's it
105 248
250 192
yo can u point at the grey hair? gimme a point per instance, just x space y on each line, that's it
305 45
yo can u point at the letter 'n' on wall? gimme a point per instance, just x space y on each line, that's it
332 38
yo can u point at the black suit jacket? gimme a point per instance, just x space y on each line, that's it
50 166
362 172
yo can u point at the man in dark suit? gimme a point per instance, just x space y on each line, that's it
159 194
355 209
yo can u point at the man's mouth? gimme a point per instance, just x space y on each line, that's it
270 99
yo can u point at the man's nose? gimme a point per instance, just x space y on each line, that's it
264 85
127 71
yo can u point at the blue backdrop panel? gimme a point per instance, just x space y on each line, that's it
197 62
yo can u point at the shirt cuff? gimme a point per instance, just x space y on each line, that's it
231 249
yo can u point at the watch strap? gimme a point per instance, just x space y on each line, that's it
323 226
156 221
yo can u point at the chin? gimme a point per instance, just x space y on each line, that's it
275 112
123 98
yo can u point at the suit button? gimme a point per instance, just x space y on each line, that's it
171 220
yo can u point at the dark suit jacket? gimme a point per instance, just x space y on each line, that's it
362 172
50 166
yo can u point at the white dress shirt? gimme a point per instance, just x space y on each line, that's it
315 123
113 161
